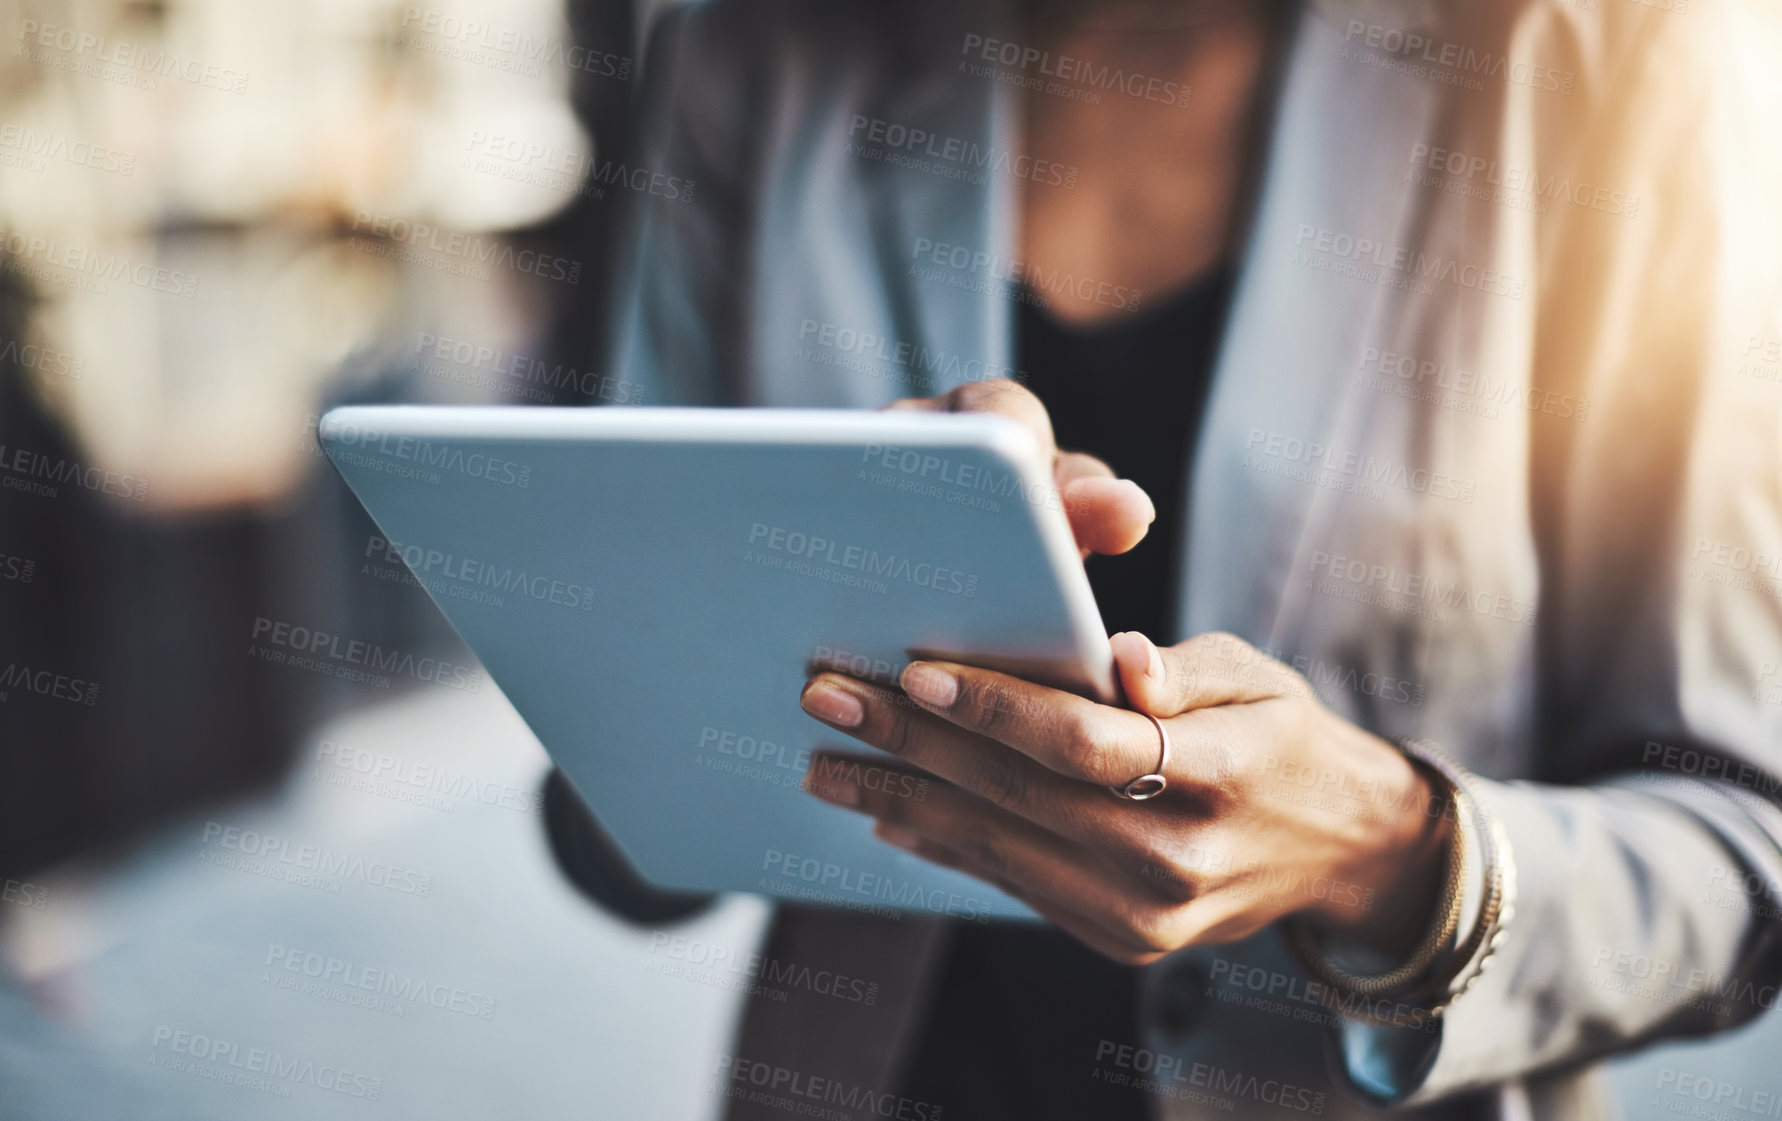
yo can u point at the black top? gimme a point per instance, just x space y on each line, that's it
1130 391
1020 1010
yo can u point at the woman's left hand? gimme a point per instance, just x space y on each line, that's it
1274 806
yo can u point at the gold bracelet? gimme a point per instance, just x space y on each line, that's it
1435 993
1499 924
1436 943
1472 957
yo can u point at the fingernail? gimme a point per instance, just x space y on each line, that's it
833 703
900 836
1138 648
840 793
1140 491
929 685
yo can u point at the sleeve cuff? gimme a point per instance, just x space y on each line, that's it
1386 1064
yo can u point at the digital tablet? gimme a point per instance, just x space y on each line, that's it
652 587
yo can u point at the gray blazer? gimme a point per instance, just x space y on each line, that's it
1491 456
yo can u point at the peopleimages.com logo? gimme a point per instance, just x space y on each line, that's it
1449 62
800 1093
811 548
21 893
30 356
44 475
35 147
103 56
950 157
1027 67
470 40
1381 262
827 881
89 269
1465 166
922 471
250 850
256 1068
412 457
355 654
447 574
353 980
1164 1074
460 248
47 683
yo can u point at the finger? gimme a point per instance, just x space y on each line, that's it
1085 930
1066 734
1107 515
1052 866
1093 934
1060 880
1208 669
915 405
1071 467
1000 396
992 771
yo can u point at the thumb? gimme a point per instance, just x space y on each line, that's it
1107 515
1142 673
1209 669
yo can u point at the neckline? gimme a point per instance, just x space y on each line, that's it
1196 288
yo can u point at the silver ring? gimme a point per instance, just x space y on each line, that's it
1148 786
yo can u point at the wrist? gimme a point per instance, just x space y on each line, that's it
1401 859
1475 901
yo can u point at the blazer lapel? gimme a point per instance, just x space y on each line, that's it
1332 193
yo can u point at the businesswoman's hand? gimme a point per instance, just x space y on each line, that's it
1108 515
1274 805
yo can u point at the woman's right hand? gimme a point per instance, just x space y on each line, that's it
1108 515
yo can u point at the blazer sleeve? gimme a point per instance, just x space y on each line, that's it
1649 851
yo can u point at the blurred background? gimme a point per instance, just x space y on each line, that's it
217 219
